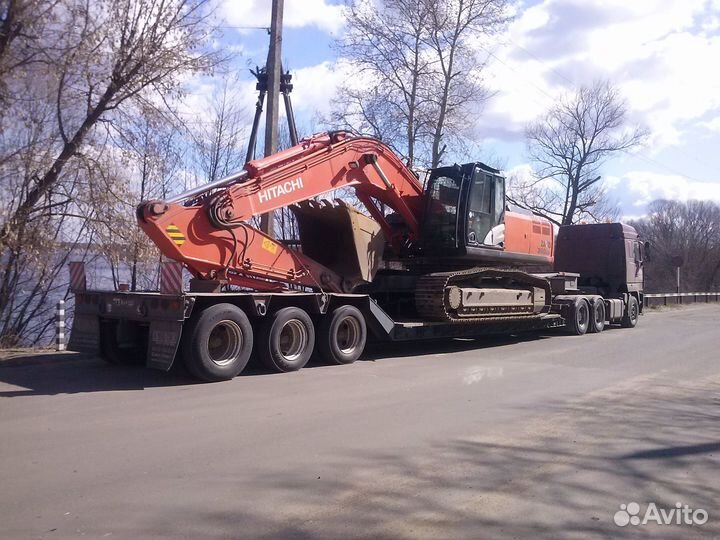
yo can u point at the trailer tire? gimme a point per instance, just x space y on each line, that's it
630 318
287 340
218 343
578 317
597 316
342 335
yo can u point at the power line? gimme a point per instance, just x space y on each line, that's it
518 73
266 28
667 167
540 60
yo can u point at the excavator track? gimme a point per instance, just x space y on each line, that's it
431 299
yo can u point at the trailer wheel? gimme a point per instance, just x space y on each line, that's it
287 340
218 343
578 317
597 316
343 334
630 319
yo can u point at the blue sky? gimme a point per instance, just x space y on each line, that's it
663 55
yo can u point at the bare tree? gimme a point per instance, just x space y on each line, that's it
417 76
154 147
22 23
94 65
385 44
118 49
568 147
219 135
457 90
689 230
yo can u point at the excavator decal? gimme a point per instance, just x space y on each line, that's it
269 245
175 234
281 189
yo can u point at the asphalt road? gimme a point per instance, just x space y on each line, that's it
539 437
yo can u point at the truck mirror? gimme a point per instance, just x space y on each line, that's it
646 255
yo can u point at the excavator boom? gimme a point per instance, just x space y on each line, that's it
209 228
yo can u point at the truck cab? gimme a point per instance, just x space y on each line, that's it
608 256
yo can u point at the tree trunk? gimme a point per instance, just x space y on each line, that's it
50 178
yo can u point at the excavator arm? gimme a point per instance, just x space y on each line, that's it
208 228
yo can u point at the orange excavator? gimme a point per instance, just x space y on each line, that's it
447 257
459 220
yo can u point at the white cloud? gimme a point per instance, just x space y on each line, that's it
660 54
522 172
314 87
712 125
634 189
297 14
639 188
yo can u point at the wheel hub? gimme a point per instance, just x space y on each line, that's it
225 342
293 339
348 335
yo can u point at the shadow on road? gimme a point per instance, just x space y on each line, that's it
563 474
69 373
675 451
397 349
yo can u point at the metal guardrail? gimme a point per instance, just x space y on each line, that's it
669 299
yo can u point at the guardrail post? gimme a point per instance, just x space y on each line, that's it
60 326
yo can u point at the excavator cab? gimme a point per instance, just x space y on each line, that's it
465 208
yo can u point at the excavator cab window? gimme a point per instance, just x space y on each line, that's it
486 208
443 198
465 207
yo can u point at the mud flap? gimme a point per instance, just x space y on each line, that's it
340 237
163 343
85 334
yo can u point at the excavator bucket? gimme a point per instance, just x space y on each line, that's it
340 237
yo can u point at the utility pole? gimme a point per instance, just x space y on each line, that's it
274 74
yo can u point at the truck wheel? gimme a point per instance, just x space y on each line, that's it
218 343
630 319
578 317
287 340
343 335
597 317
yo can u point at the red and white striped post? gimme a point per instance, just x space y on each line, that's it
171 278
78 281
